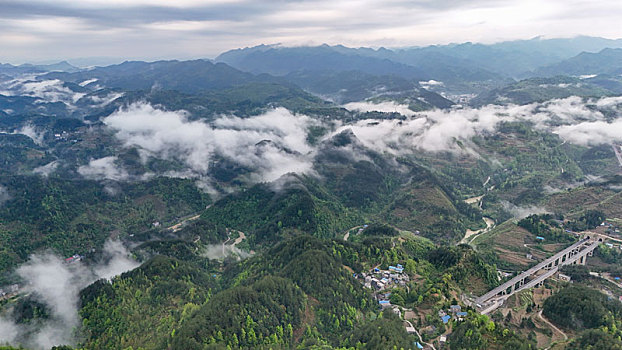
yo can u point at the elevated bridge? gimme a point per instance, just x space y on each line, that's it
575 254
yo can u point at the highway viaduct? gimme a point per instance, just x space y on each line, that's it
575 254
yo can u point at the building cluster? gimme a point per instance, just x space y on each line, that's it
455 312
8 291
65 136
610 228
382 279
62 136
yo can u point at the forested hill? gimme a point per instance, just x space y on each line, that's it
300 293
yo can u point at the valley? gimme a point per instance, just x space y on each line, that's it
463 196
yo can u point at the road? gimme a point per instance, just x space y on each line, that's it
224 244
237 241
495 304
180 224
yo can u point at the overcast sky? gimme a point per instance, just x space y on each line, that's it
40 30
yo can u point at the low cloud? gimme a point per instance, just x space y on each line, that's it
31 131
273 144
102 101
8 331
432 131
573 119
47 169
431 84
520 212
103 169
57 284
116 261
591 133
4 195
219 252
609 102
270 145
87 82
46 90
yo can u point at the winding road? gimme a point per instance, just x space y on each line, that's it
419 335
347 235
552 325
237 241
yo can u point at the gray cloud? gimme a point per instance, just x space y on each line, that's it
116 261
136 29
219 252
592 133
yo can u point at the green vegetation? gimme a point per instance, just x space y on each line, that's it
580 307
577 273
589 220
539 90
262 314
284 278
300 292
596 339
268 213
142 308
545 226
385 332
77 216
479 332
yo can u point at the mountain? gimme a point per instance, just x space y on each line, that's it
281 61
11 70
539 90
194 205
510 58
455 61
608 82
461 68
351 86
607 61
326 60
62 66
184 76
